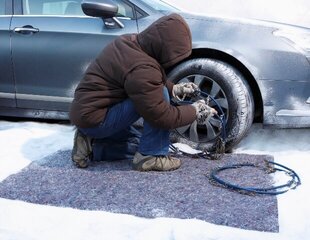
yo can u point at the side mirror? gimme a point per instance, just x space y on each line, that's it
103 8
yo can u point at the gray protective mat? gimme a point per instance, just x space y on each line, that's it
114 187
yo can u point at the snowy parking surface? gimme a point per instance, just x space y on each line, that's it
26 142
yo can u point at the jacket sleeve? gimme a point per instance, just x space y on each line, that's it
144 85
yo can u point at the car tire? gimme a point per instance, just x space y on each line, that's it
229 88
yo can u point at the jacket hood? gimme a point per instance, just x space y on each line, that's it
168 40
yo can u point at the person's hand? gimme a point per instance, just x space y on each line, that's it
203 112
182 90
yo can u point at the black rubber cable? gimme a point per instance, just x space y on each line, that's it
292 184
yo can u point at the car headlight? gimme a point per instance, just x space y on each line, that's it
300 40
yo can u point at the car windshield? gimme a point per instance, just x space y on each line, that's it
160 5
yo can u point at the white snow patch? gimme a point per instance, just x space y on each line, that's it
25 142
185 148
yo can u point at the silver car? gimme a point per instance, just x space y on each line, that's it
255 70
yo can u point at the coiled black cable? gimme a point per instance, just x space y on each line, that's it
291 184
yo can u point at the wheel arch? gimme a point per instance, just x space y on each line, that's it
229 59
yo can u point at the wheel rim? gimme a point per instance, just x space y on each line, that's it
212 129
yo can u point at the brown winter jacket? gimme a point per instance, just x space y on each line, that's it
133 66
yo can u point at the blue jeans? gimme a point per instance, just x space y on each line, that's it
117 126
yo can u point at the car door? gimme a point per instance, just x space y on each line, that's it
7 88
53 43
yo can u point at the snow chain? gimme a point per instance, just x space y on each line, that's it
219 150
270 167
219 146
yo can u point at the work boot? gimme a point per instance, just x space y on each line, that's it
82 149
155 163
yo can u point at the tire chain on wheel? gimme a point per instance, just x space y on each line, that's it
240 119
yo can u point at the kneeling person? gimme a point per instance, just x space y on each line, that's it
127 81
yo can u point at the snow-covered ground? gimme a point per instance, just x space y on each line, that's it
24 142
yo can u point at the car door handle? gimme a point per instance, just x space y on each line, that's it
26 30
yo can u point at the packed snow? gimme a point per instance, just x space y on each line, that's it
24 142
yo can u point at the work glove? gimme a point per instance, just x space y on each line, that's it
203 112
182 90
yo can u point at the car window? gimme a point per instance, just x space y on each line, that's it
67 7
124 10
160 5
52 7
2 5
